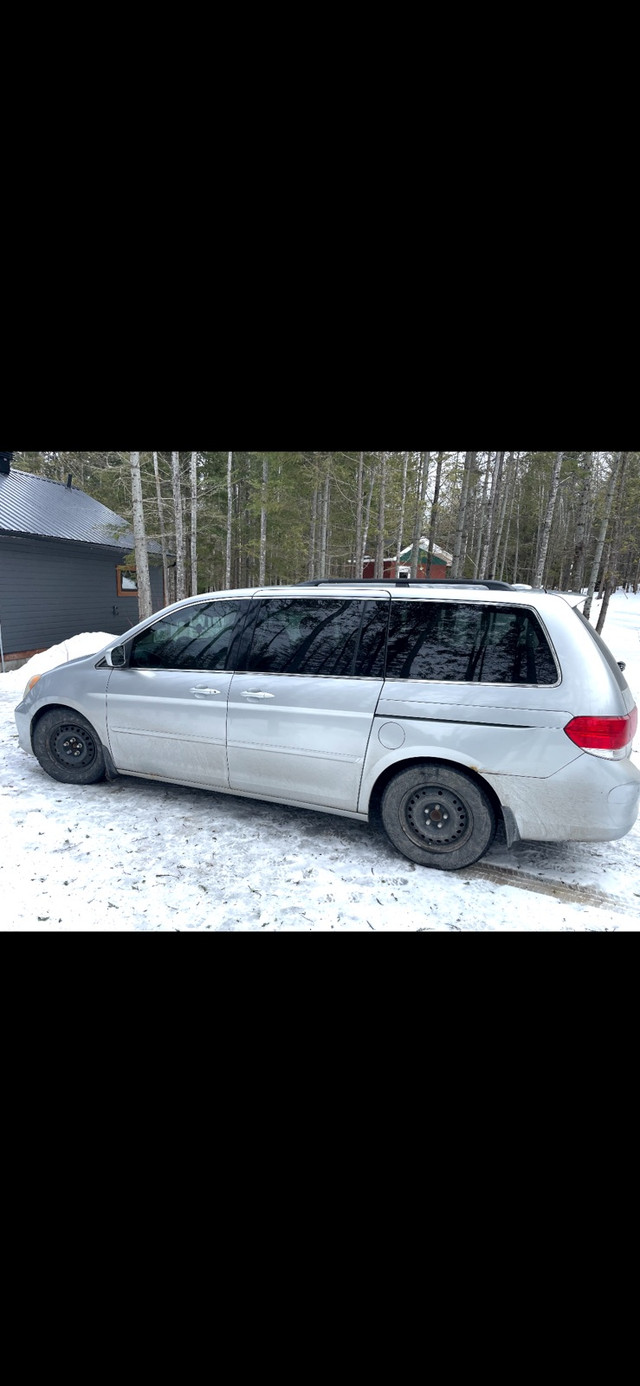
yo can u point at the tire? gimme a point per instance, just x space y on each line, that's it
461 822
68 748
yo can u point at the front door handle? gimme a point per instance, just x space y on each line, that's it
257 694
208 692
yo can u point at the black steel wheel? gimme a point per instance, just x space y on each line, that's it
68 748
437 816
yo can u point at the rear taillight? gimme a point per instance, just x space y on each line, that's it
604 736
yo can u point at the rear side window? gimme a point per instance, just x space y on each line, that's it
459 642
198 637
322 635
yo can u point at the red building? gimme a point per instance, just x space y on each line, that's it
430 565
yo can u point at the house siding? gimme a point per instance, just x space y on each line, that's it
51 590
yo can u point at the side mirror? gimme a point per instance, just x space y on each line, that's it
116 657
621 665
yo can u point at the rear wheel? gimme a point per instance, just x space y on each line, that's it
437 816
68 748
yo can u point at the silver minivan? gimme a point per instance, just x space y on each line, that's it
439 709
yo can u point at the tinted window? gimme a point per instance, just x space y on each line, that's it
463 643
198 637
319 636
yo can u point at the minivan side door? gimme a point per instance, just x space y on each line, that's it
475 680
300 713
166 710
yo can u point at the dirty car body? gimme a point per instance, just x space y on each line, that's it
439 708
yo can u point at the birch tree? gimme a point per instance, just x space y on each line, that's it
469 464
145 607
546 530
507 490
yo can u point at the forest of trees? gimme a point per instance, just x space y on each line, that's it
565 520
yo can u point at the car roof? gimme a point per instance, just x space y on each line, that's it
437 591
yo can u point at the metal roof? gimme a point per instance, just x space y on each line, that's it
424 544
35 505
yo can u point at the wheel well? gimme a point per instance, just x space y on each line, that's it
391 770
58 707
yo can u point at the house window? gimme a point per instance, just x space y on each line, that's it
127 581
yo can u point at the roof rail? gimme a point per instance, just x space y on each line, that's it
406 582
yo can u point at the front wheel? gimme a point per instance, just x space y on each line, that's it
68 748
437 816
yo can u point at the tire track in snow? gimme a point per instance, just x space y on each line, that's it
559 890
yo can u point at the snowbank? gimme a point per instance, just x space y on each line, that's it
87 643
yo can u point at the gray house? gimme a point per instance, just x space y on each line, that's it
62 565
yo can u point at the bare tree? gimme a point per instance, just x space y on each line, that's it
403 502
469 464
597 557
181 585
435 503
314 523
359 517
194 524
577 574
512 490
163 541
491 517
227 564
367 514
324 524
145 607
379 564
546 530
422 479
613 558
506 491
263 522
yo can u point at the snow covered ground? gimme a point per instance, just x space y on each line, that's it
139 855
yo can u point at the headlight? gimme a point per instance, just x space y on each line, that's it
31 683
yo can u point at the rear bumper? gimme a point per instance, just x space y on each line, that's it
589 800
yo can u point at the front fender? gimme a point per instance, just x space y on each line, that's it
90 701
